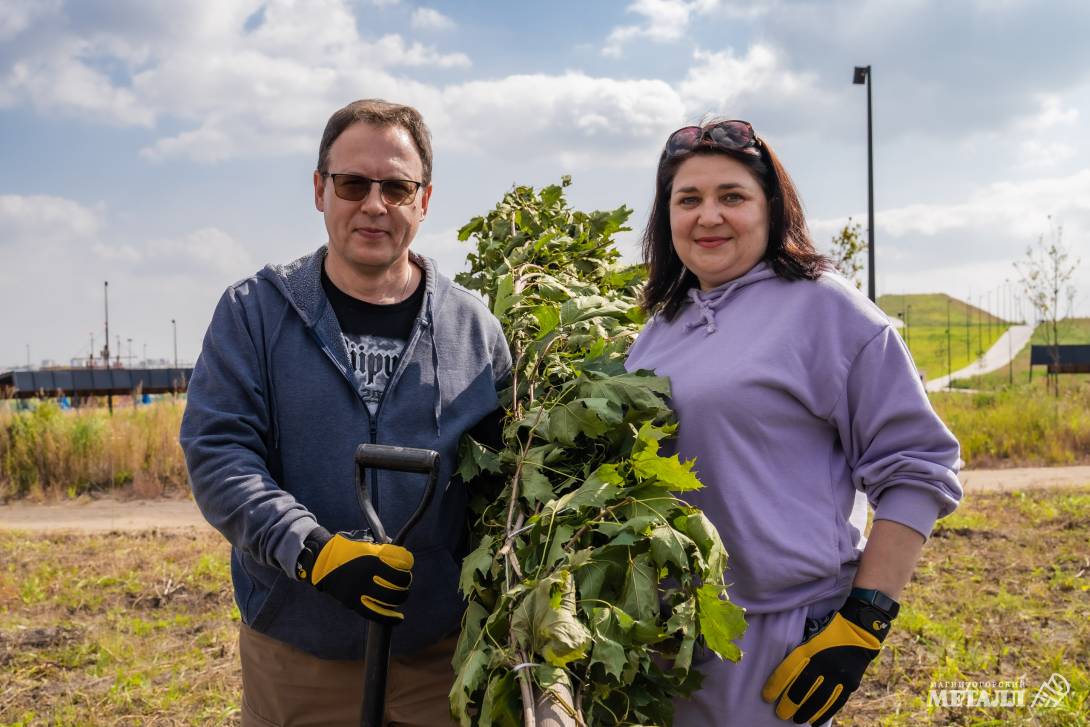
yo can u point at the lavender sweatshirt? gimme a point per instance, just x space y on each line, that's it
793 396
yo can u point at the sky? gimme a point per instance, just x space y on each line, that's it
168 147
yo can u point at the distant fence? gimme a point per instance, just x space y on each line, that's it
1069 359
84 382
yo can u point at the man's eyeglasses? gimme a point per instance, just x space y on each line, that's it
355 188
734 135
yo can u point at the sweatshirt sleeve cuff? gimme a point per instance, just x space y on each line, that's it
291 545
910 506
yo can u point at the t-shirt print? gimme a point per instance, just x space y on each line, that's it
374 360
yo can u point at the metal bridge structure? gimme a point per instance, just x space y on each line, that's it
80 383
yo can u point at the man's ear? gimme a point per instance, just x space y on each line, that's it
424 202
319 191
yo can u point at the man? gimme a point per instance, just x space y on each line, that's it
360 341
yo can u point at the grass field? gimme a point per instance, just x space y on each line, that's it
972 330
140 629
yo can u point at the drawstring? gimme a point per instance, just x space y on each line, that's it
707 312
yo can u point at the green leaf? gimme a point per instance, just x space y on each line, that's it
702 532
534 485
505 289
479 561
502 704
548 620
721 622
598 489
640 392
607 652
473 621
668 546
473 459
469 676
639 598
670 472
683 622
474 225
568 420
547 317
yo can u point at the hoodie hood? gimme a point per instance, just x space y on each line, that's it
708 302
300 283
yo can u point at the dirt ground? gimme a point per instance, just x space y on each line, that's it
127 513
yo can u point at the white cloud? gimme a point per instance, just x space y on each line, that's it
207 251
45 219
17 15
666 21
1016 210
719 80
584 120
242 77
430 19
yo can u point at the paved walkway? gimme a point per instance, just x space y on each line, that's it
108 514
999 355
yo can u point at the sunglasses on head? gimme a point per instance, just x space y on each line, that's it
356 188
733 135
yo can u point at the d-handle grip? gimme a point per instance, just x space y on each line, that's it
398 459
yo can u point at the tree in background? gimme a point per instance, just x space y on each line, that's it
1046 274
848 245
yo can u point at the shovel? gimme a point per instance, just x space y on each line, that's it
376 655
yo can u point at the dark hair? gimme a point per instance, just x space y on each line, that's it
790 250
380 113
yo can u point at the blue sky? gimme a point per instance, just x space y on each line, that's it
168 147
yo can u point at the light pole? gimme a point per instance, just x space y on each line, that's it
864 76
106 345
174 325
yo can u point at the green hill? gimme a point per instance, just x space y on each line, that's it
972 330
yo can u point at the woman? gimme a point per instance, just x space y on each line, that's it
793 392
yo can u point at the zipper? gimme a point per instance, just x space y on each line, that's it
421 323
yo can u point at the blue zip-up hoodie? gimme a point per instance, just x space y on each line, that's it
273 419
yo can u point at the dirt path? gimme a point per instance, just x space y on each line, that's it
106 514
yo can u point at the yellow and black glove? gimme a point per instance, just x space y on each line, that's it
815 680
367 577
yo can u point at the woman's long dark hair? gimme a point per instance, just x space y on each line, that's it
790 251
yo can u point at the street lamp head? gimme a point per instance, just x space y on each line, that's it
860 76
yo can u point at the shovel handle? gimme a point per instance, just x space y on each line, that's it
398 459
376 655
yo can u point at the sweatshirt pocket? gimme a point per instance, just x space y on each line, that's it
266 595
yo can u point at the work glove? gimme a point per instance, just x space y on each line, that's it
815 680
370 578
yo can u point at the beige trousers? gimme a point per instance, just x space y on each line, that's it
285 687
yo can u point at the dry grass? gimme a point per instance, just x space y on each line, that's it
140 629
118 629
1020 426
47 452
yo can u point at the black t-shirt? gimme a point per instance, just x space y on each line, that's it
375 335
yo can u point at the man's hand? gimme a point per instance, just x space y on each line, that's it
369 578
815 680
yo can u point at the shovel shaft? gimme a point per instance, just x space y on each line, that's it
376 662
376 655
